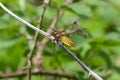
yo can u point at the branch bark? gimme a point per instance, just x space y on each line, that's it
30 55
38 72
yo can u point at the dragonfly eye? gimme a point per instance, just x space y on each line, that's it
56 34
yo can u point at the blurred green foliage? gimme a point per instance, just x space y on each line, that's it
101 52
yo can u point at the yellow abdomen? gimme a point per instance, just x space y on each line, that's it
67 41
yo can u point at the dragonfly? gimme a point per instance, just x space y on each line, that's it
60 35
63 35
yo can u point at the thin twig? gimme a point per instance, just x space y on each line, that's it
30 55
88 70
38 72
25 22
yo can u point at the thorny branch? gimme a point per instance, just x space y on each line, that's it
88 70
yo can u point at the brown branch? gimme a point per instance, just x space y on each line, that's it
38 72
42 43
30 55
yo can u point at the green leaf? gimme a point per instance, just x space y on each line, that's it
72 67
7 43
57 3
68 8
106 57
103 42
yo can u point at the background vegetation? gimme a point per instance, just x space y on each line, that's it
100 51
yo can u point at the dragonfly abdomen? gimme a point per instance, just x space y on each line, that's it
67 41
